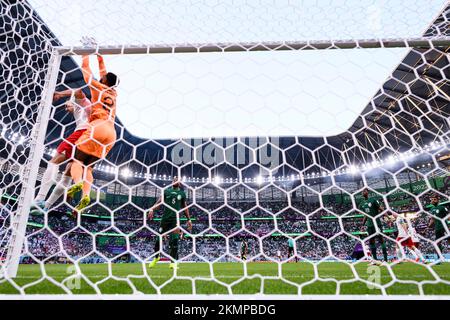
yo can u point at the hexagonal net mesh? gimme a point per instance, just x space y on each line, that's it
226 159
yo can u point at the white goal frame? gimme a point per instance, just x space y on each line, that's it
257 46
30 169
29 172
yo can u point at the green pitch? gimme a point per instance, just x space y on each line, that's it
205 280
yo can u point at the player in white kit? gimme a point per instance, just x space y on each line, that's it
407 238
80 108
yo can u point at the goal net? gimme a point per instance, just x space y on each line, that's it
246 148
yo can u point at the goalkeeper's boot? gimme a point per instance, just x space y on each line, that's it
73 190
154 262
173 266
84 202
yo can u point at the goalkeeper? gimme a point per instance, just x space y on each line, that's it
100 136
175 199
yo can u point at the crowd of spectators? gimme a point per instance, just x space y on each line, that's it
321 229
217 233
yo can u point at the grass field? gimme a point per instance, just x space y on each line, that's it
198 278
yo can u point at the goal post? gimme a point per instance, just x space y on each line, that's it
37 148
29 172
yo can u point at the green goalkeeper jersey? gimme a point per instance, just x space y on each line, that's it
441 212
371 207
174 199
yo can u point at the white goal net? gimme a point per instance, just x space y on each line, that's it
248 147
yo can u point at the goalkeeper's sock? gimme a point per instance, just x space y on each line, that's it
48 179
58 191
383 248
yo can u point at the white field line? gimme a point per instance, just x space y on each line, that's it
418 276
249 297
